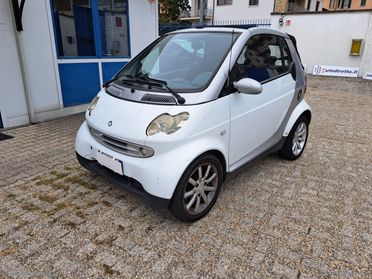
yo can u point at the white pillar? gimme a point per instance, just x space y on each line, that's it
366 61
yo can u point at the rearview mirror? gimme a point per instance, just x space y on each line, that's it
248 86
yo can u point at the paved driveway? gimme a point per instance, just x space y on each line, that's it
304 219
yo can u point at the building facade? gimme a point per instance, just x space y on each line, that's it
340 5
194 15
242 9
230 11
65 52
298 6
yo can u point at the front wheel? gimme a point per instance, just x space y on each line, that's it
197 189
296 140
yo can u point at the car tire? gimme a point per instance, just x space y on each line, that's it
198 189
296 140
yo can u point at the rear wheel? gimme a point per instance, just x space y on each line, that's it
198 189
296 140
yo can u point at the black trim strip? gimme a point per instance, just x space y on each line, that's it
18 11
126 182
276 77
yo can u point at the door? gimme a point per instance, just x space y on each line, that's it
256 118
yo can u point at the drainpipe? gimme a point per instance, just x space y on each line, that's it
201 7
214 2
18 38
366 57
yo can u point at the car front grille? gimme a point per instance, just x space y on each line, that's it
121 146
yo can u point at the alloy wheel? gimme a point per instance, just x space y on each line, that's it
299 138
201 188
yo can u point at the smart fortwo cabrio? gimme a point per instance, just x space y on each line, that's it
192 107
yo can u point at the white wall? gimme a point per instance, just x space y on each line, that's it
240 10
12 98
144 26
325 39
366 64
39 57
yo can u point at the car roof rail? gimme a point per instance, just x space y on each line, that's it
238 26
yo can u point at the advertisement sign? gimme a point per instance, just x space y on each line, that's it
368 76
335 71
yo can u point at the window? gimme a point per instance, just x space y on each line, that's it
113 22
253 2
186 61
87 28
345 4
224 2
363 3
264 57
317 6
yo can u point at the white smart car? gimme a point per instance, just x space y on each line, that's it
192 107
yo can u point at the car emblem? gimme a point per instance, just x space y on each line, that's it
109 124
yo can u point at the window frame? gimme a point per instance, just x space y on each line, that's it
253 5
224 3
96 34
363 3
281 51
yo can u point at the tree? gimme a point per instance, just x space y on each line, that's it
170 10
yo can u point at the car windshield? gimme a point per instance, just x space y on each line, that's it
185 62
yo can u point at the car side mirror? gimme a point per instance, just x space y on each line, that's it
248 86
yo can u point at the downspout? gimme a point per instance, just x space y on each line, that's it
30 107
214 2
363 65
201 13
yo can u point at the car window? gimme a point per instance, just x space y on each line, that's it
187 62
187 46
264 57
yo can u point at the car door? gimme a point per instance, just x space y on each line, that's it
256 118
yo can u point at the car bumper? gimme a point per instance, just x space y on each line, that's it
127 183
157 175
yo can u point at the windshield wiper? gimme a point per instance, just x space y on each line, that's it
115 79
107 83
144 78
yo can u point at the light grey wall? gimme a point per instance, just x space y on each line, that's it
240 10
325 39
12 97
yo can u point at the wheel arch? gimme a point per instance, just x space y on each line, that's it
219 155
307 114
302 109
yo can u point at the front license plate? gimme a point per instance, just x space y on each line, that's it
110 162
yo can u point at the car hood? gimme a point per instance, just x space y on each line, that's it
123 119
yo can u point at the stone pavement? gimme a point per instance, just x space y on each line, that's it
306 219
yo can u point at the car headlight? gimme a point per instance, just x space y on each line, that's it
92 105
166 123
